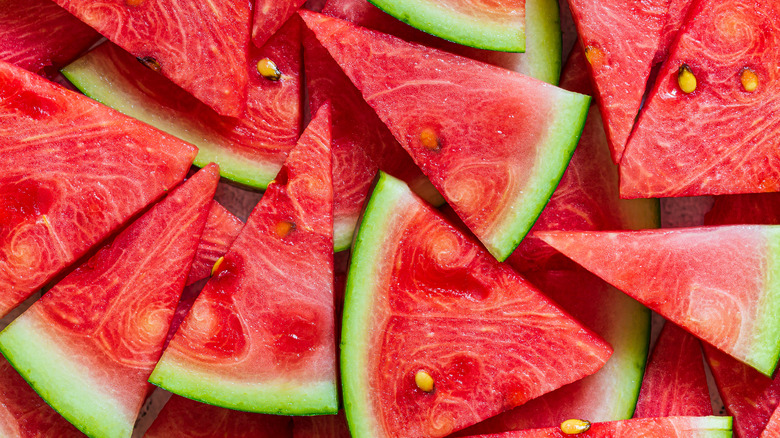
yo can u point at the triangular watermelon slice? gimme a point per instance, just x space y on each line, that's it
201 46
249 149
499 169
773 428
60 192
620 38
674 383
721 284
220 231
89 345
270 15
261 335
720 138
437 335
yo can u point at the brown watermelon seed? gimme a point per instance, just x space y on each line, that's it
150 63
594 55
575 426
685 79
749 79
424 381
284 228
268 69
216 266
430 140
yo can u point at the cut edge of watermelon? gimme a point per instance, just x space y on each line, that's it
70 391
768 322
544 61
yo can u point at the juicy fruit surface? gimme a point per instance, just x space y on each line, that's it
269 17
422 296
105 323
620 39
773 428
38 34
487 168
321 426
220 231
675 19
732 303
753 208
674 150
59 193
249 149
201 47
261 335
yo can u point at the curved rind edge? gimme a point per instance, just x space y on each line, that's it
768 320
543 59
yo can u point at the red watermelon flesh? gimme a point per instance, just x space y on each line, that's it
24 414
269 16
105 323
675 19
249 149
220 231
719 139
621 38
748 395
40 36
261 335
717 283
485 169
185 418
62 193
321 426
773 428
753 208
201 46
674 383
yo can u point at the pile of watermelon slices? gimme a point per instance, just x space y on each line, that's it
449 240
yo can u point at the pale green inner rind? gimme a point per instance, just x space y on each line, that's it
361 290
279 397
543 57
433 17
96 77
640 214
555 151
64 384
712 426
765 345
343 231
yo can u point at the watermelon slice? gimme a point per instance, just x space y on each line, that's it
260 337
670 427
773 428
753 208
89 345
185 418
678 151
220 231
611 393
748 395
620 38
270 15
485 169
250 150
321 426
674 383
484 24
675 19
201 46
40 36
542 57
718 283
62 193
440 336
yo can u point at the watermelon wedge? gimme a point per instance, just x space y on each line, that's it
261 335
753 208
201 46
670 427
321 426
61 193
269 16
609 394
773 428
674 383
621 39
220 231
718 283
40 36
717 139
440 336
485 169
185 418
250 150
88 346
542 57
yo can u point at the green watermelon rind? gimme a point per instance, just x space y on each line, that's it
97 80
712 426
767 333
61 382
543 60
556 150
429 16
282 397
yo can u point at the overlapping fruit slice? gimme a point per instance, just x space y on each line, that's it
431 319
88 346
220 231
249 149
498 168
201 46
707 127
269 16
72 172
773 428
719 283
261 335
753 208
